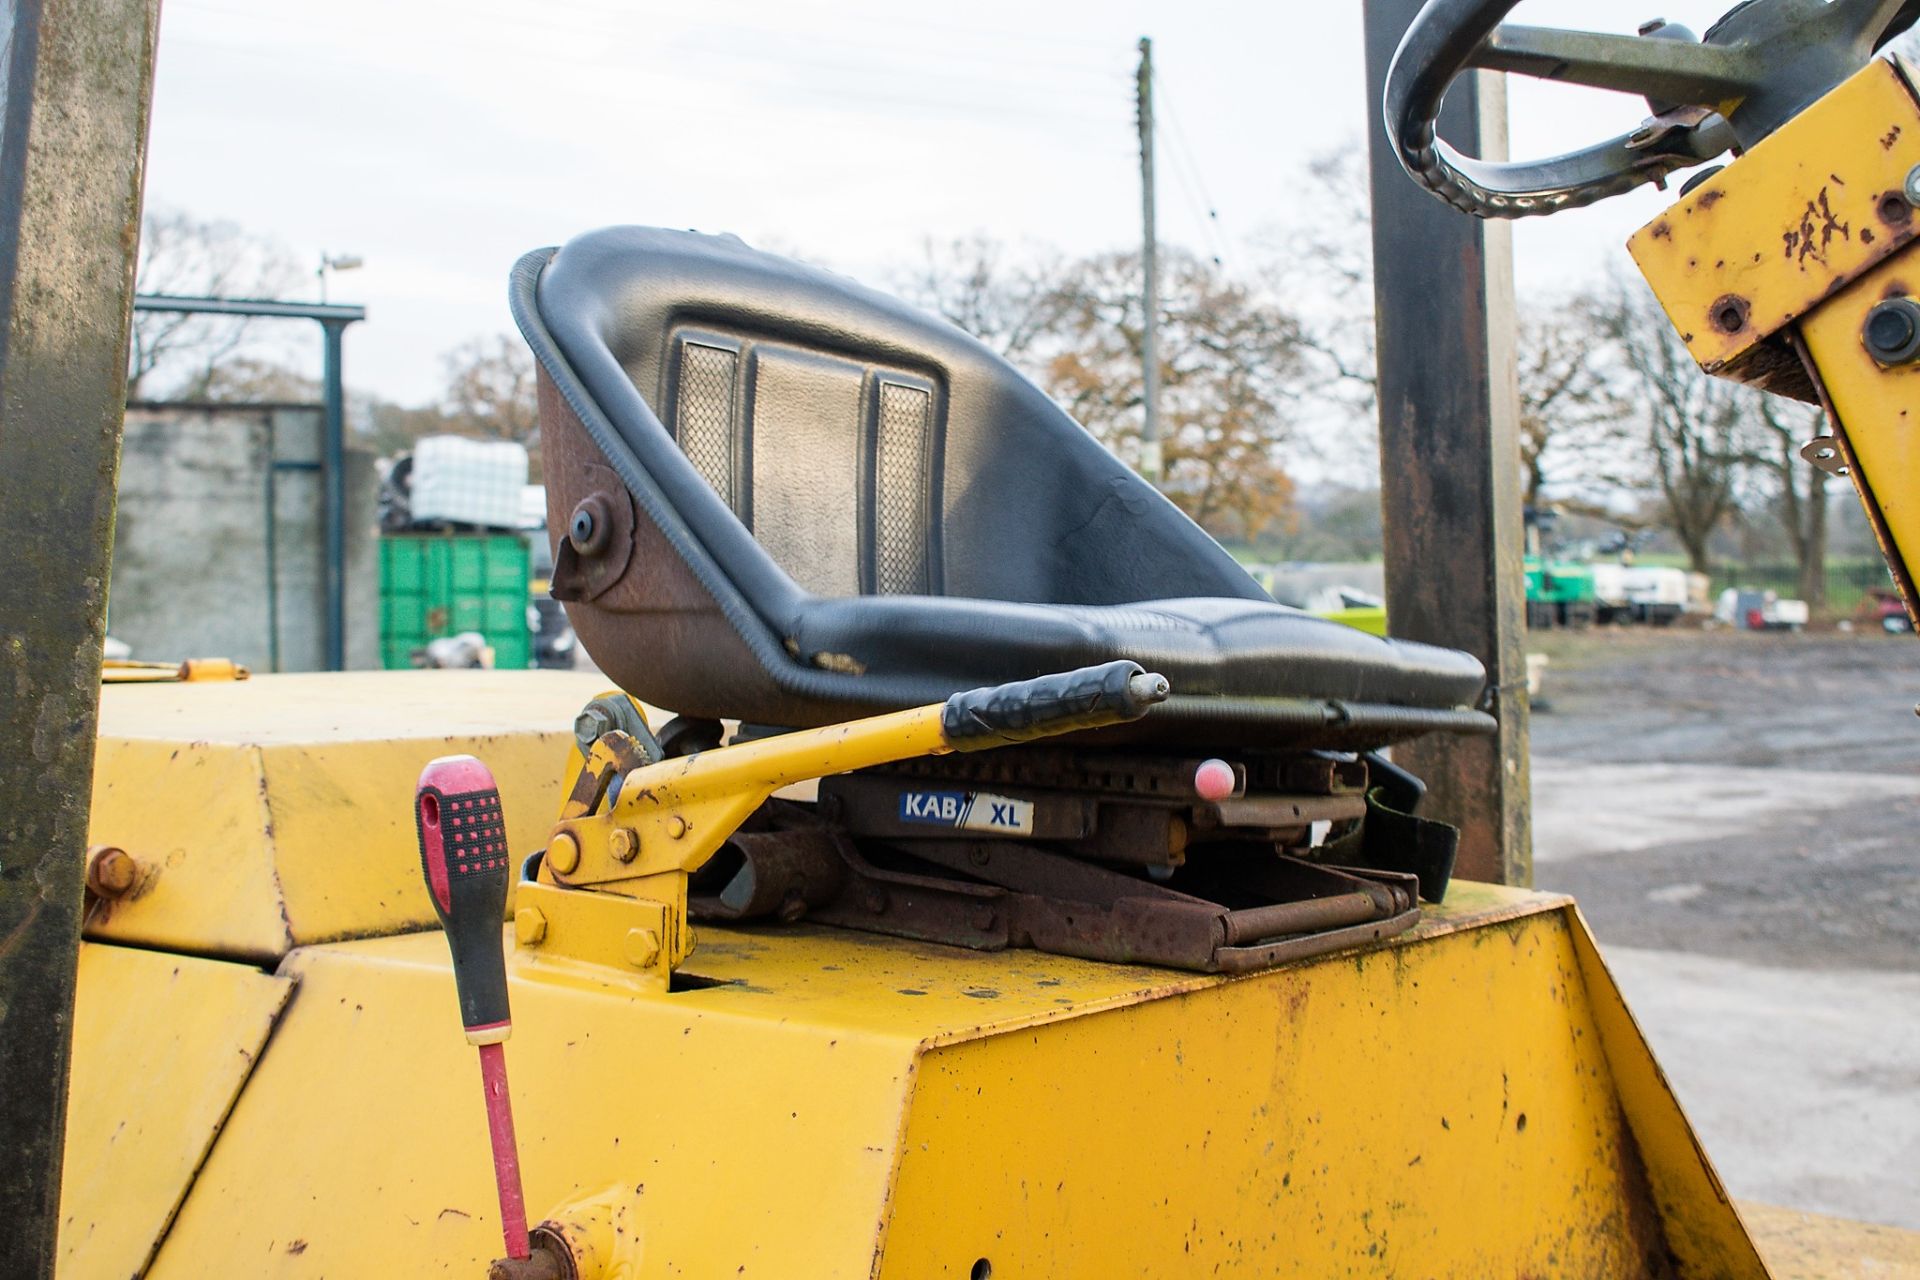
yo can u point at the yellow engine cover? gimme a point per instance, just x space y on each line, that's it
1471 1101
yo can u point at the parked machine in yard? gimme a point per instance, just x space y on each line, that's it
1013 890
1560 593
1652 594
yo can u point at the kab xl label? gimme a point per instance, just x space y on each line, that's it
968 811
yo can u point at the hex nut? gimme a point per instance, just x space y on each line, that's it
588 727
642 948
563 853
529 926
624 844
111 872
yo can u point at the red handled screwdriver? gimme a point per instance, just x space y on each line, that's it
463 853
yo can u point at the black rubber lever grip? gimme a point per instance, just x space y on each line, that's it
463 855
1027 709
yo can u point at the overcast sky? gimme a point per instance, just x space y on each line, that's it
440 139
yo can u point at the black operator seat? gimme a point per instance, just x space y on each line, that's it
779 496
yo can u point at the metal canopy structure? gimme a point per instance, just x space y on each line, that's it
73 114
74 93
1450 456
333 319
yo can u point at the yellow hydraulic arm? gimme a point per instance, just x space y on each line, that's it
636 829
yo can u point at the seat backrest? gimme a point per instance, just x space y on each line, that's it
831 462
865 447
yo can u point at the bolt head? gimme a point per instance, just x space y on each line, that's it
563 853
642 948
1911 187
111 872
529 926
624 844
589 725
1892 331
676 826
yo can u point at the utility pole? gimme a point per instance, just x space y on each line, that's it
1150 271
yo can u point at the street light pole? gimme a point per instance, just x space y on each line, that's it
336 262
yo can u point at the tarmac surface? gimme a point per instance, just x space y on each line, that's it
1739 818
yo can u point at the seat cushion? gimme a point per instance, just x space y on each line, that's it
1209 646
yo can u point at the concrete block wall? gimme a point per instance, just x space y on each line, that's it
195 550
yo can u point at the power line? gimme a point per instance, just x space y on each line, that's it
1211 224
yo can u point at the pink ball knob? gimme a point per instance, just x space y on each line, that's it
1213 780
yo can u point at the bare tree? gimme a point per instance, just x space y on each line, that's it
1796 490
179 355
1231 363
1571 413
1690 427
246 379
1323 267
491 389
974 281
490 392
1232 369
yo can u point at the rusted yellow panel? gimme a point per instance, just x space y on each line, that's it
194 816
1444 1108
849 1106
278 810
1700 1221
1878 408
161 1045
751 1134
1759 244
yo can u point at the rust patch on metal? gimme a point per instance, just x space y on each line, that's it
1710 198
1893 210
1890 137
1814 234
1662 231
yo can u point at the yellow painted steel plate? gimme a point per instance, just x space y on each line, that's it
1763 241
279 810
851 1106
161 1046
1879 408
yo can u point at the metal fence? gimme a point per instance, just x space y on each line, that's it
1847 580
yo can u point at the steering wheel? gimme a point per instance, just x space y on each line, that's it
1755 69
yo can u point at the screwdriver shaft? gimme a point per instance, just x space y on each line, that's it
506 1157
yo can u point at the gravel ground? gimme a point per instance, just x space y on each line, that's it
1736 815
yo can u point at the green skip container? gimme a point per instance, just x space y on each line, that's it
441 584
